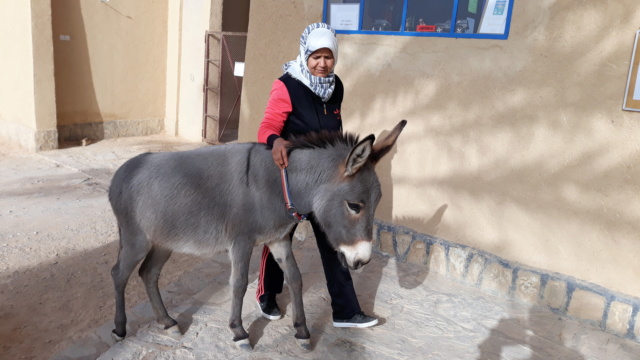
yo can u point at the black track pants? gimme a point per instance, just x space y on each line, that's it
339 283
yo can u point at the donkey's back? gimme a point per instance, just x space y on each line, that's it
195 201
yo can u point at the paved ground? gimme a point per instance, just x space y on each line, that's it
422 316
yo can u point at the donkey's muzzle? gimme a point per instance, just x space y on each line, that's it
355 256
355 266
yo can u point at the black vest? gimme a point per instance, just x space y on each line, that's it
308 112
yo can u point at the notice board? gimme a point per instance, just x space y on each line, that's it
632 92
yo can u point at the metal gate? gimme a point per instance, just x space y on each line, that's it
224 53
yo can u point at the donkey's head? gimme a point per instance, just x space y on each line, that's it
345 205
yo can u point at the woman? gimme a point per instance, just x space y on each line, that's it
307 98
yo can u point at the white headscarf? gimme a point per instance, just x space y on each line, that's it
315 36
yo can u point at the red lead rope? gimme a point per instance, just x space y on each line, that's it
291 209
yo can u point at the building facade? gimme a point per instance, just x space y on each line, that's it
517 147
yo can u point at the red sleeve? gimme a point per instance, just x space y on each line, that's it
276 113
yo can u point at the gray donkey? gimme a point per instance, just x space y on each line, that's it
229 198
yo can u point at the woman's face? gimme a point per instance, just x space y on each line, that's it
321 62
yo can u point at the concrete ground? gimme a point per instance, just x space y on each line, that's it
56 297
421 317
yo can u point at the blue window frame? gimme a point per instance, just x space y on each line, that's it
476 19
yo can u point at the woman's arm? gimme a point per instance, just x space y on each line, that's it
276 113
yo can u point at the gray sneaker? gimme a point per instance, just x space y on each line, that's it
359 320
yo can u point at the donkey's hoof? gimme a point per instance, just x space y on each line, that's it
243 344
115 336
173 331
304 343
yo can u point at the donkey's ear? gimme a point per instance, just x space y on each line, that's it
382 147
359 155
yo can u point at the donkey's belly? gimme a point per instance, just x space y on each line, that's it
211 244
274 235
200 248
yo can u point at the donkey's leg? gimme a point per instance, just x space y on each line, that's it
133 248
283 254
240 256
150 273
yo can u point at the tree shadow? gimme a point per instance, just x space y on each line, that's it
212 279
537 336
48 307
409 275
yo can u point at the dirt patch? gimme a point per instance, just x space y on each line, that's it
58 241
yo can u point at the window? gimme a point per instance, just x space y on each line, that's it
482 19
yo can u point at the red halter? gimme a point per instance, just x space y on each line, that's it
291 209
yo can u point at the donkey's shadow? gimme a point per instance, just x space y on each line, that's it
211 281
317 304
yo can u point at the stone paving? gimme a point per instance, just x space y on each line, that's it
422 315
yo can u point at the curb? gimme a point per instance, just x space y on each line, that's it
564 295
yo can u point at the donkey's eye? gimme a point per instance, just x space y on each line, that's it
354 207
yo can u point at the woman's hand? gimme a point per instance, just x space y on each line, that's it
279 153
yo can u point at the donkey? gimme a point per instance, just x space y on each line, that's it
228 198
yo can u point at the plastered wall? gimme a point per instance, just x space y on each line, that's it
27 100
518 147
16 35
110 60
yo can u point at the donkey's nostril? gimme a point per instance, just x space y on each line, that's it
358 264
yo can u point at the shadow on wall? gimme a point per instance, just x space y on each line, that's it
409 275
518 154
412 268
384 170
77 109
415 276
385 208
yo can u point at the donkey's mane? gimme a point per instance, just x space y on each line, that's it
322 140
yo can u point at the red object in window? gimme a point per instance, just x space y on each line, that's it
426 28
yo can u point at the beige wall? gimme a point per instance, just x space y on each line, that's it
195 22
188 23
113 66
43 71
269 45
102 69
516 147
17 103
172 90
27 99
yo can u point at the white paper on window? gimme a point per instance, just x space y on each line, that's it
494 17
345 16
